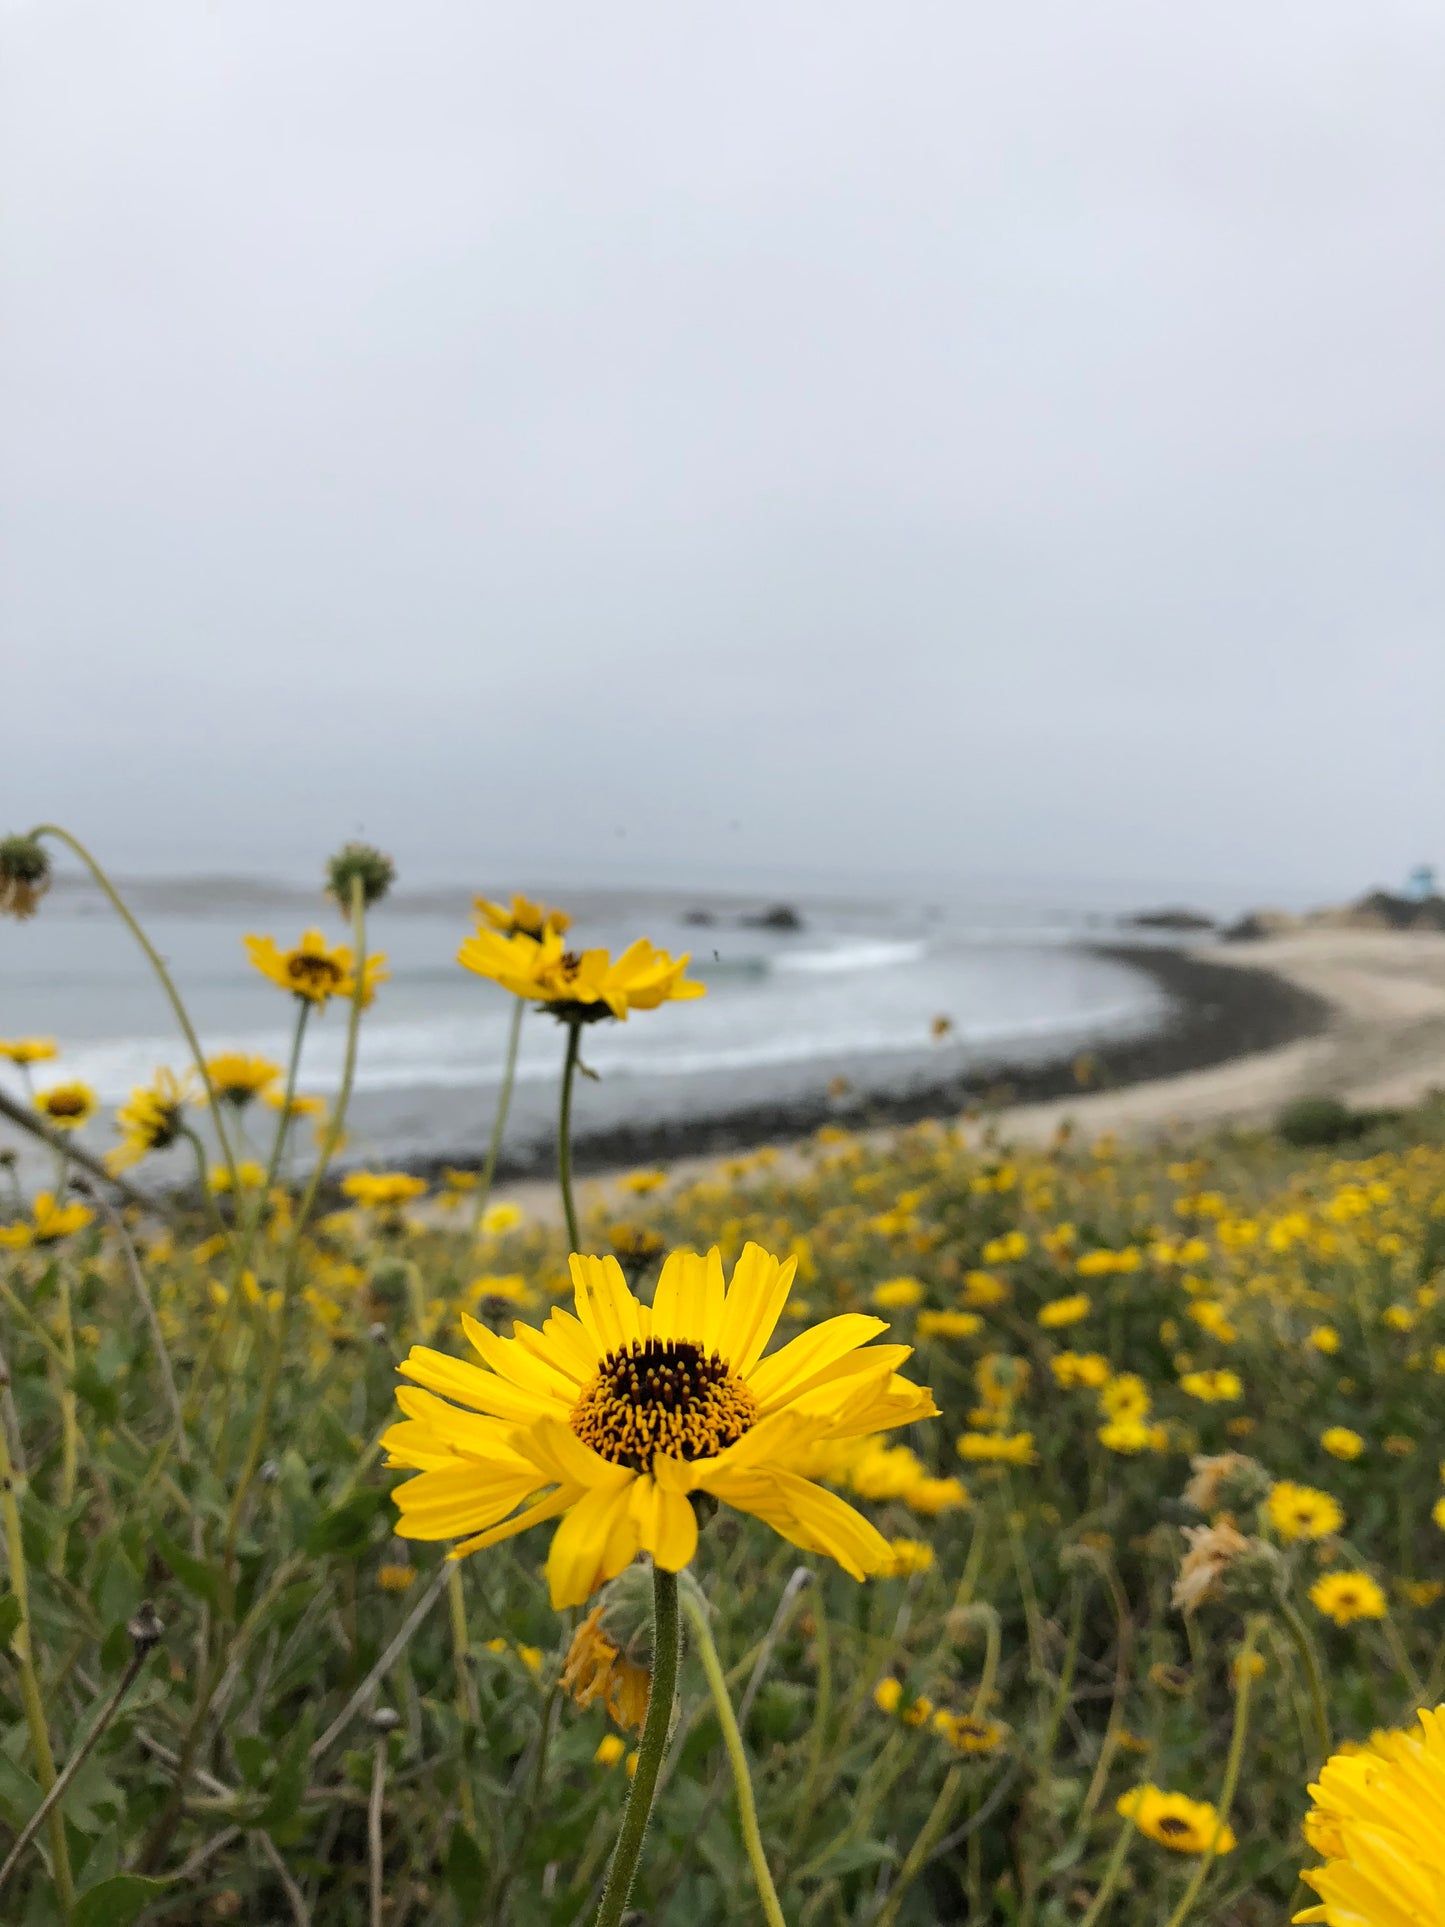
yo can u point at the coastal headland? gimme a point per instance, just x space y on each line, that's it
1353 1014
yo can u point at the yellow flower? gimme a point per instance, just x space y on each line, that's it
969 1735
1072 1369
1064 1311
1341 1443
887 1695
1437 1513
396 1576
531 1658
641 1182
509 1291
238 1075
1347 1596
1176 1821
67 1106
299 1106
523 917
52 1221
1302 1512
1212 1387
610 1749
28 1050
315 970
579 986
897 1294
947 1324
151 1120
932 1496
378 1190
251 1174
596 1668
1125 1396
498 1218
1127 1434
614 1416
981 1288
907 1556
1324 1338
1379 1820
996 1448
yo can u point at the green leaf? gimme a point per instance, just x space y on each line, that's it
92 1389
290 1779
466 1873
850 1859
194 1574
9 1618
346 1528
117 1901
254 1756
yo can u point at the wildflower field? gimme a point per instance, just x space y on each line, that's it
887 1532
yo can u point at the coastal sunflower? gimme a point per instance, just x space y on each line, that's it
67 1106
579 987
315 970
1348 1596
614 1417
50 1221
1176 1821
28 1050
238 1075
151 1120
1379 1821
1303 1511
522 918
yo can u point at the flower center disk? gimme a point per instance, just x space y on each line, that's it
658 1395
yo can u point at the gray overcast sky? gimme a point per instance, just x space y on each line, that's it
668 438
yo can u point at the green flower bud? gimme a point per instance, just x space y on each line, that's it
359 863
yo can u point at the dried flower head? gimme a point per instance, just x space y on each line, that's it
24 875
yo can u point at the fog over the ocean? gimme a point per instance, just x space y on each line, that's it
684 443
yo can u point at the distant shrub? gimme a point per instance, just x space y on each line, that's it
1320 1120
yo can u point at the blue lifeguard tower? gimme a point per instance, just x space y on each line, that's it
1421 882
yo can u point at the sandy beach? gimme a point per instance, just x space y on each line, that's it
1381 1043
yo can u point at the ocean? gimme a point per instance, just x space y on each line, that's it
850 995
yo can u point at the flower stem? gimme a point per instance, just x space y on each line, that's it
628 1851
499 1122
1245 1675
153 957
1304 1645
29 1683
292 1269
929 1835
737 1759
564 1138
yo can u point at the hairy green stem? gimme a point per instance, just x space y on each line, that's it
1304 1645
564 1135
622 1870
499 1121
157 964
1244 1672
24 1657
737 1759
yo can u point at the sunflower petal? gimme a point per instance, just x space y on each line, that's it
666 1523
755 1299
470 1385
535 1515
594 1542
774 1380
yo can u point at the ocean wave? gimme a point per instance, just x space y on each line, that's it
866 953
451 1055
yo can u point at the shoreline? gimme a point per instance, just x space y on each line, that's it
1220 1012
